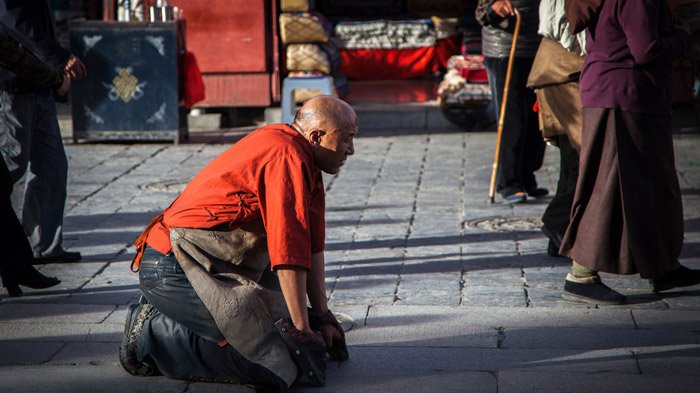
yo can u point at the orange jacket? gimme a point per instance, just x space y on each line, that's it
269 174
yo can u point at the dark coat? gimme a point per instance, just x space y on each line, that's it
31 24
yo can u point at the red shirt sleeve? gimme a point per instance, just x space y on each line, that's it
285 191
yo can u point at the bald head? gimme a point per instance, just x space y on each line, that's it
329 124
325 112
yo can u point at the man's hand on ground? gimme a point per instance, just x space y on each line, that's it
332 332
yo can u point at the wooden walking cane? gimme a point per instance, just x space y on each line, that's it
504 101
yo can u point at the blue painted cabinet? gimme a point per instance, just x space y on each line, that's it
131 89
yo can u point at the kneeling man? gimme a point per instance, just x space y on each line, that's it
225 271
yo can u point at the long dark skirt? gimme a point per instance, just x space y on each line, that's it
627 215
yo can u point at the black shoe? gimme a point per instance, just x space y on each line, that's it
61 257
136 316
593 291
555 240
28 277
536 192
679 277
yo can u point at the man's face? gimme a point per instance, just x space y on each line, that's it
334 147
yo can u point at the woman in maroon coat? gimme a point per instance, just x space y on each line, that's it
627 215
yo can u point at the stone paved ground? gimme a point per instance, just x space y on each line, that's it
445 292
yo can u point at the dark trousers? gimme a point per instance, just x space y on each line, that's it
182 339
558 214
13 242
31 144
522 147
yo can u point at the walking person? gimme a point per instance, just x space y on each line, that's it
627 214
15 265
30 138
522 147
555 76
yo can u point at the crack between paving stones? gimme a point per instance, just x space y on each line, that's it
390 144
494 374
413 217
500 336
462 213
99 271
636 362
526 287
131 169
634 320
55 353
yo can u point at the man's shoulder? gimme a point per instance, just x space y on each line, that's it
278 137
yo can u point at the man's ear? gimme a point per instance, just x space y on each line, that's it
315 136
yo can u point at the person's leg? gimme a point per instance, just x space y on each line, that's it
510 182
166 287
593 237
16 122
180 336
180 353
557 215
45 196
15 264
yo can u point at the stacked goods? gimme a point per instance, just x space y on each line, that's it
385 34
465 83
308 51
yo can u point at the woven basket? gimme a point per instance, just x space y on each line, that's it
307 57
303 28
296 5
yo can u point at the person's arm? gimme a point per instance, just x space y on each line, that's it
21 62
639 21
293 282
316 283
493 12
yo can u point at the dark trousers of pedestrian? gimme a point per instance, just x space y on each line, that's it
13 242
181 337
558 213
31 144
522 147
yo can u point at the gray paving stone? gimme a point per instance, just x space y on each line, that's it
526 381
55 332
593 338
670 360
83 379
511 318
353 377
55 313
497 360
24 352
87 354
686 320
